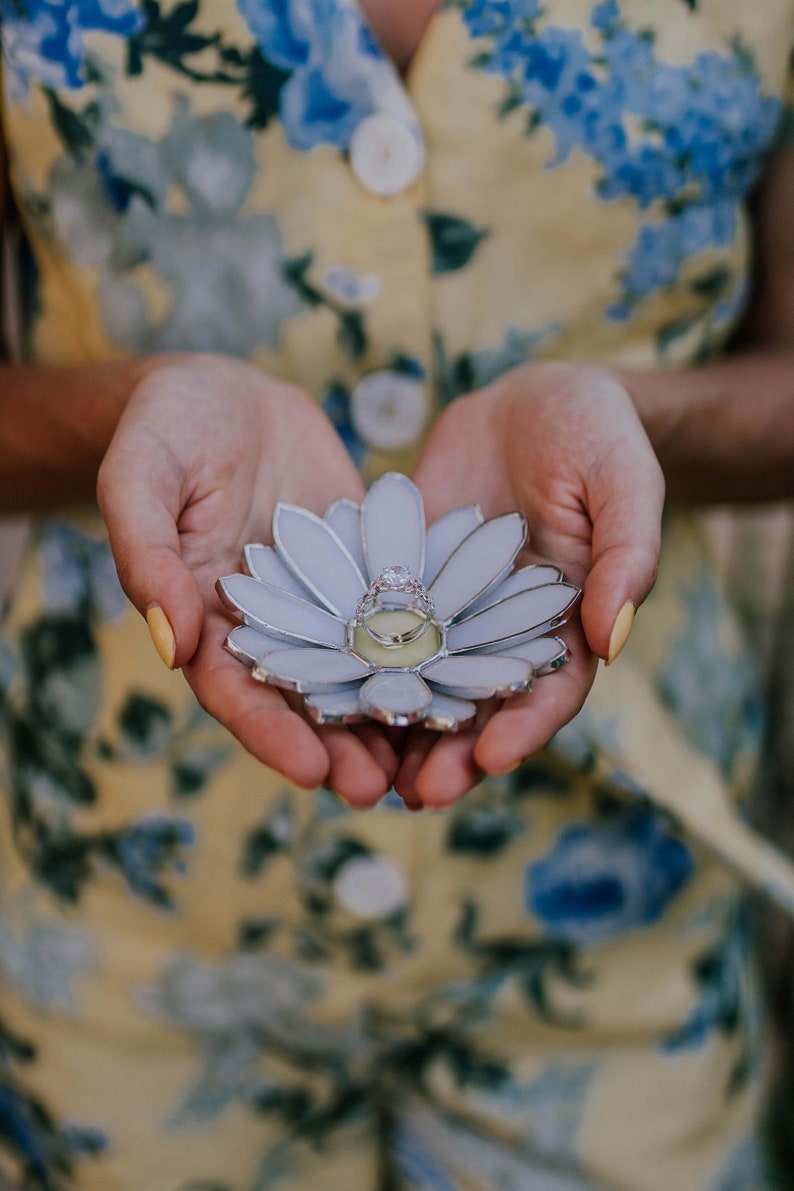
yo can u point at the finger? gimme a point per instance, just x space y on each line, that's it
526 723
626 498
354 773
139 493
375 738
413 804
254 713
449 771
418 745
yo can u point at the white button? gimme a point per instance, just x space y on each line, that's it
386 155
370 887
389 410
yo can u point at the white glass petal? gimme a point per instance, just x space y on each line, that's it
393 521
397 698
446 534
340 707
524 616
248 645
310 670
524 579
481 558
447 714
265 565
544 653
274 611
313 551
479 676
344 518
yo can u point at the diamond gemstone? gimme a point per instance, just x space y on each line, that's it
396 576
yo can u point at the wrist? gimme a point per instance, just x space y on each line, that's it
56 422
658 395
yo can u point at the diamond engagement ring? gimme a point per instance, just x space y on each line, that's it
395 580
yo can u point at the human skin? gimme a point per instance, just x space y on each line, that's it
564 444
174 452
207 446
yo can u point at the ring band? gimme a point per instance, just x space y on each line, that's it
396 580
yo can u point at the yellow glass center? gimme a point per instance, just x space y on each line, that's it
396 622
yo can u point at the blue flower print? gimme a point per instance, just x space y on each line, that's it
713 692
320 105
43 39
223 267
682 141
18 1128
149 847
45 1148
336 406
284 29
599 881
79 573
744 1168
416 1164
660 251
554 1099
338 74
248 1017
488 18
723 1000
45 960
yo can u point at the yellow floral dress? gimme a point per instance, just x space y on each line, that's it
212 981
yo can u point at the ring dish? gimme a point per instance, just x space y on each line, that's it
328 612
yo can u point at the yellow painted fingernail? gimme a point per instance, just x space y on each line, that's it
162 634
621 630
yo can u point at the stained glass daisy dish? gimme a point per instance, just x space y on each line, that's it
370 615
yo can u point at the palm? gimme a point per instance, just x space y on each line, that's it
564 446
202 455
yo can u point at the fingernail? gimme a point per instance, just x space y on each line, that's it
621 630
511 768
162 634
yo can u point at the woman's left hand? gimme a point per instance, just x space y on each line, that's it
562 443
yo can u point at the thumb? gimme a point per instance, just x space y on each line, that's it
626 498
139 489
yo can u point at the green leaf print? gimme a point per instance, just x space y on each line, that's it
144 724
471 1069
193 769
352 336
146 730
76 129
43 1150
276 834
256 932
45 774
484 831
534 965
262 83
204 1185
352 332
453 240
167 37
714 284
62 666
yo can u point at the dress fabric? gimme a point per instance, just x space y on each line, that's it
213 981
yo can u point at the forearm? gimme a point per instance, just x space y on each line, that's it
724 431
55 426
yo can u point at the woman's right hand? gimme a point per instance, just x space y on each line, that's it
204 450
